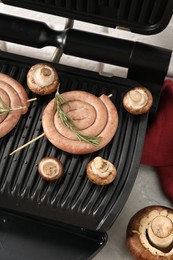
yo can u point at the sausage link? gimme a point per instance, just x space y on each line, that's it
112 125
62 140
5 99
18 88
89 114
12 117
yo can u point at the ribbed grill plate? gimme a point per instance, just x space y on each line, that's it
140 16
73 199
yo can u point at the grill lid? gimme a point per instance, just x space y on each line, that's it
139 16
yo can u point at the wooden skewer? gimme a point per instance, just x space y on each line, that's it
32 99
29 100
31 141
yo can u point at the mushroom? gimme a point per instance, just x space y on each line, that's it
42 79
101 171
150 233
138 100
50 168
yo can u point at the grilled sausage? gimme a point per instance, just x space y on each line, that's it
13 95
5 102
12 118
81 105
87 112
18 88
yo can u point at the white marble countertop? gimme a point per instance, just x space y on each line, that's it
146 190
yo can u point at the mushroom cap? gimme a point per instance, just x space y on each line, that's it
138 241
106 177
50 168
138 100
42 79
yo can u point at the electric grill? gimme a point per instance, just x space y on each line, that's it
79 211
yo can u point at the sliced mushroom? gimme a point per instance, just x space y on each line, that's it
42 79
150 233
50 168
101 171
138 100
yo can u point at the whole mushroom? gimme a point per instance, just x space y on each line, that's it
42 79
50 168
150 233
138 100
101 171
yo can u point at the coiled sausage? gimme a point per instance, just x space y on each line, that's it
92 115
13 96
18 88
12 118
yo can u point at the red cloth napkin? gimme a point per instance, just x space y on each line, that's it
158 145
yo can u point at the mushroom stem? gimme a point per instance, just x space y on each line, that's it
160 232
101 167
135 95
46 72
138 98
50 168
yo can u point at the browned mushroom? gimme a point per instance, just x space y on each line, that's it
101 171
138 100
50 168
150 233
42 79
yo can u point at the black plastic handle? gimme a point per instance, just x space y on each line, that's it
98 47
28 32
132 55
73 42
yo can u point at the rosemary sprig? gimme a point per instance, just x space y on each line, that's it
5 109
67 121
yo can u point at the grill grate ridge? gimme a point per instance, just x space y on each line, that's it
157 11
121 175
122 171
100 194
146 9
